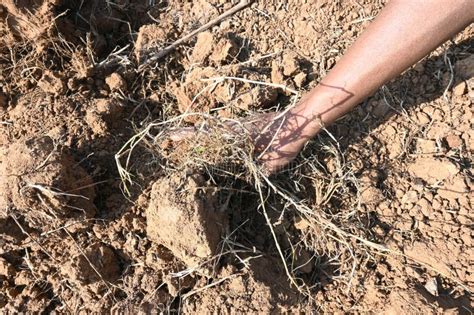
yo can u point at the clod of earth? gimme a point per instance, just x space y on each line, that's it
183 216
424 168
97 263
37 175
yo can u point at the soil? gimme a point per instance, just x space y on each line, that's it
387 226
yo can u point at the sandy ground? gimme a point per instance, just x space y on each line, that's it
375 216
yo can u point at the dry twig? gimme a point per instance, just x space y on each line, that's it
165 51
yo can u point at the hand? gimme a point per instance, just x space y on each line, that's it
279 137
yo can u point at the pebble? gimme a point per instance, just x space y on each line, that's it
453 141
300 79
116 82
410 197
425 207
460 89
423 118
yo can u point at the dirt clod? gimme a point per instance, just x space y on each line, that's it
51 83
116 82
203 48
459 89
453 141
290 64
423 168
300 79
36 174
110 109
97 263
182 216
225 51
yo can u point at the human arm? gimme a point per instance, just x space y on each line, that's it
403 33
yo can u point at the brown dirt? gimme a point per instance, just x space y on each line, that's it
189 237
186 205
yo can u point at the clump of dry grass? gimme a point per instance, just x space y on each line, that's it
215 148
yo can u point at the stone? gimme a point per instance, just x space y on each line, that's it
300 79
459 89
424 146
116 82
290 64
453 141
432 170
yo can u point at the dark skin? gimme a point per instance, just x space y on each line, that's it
403 33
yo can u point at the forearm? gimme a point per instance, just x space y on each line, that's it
403 33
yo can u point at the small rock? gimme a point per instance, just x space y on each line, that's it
432 286
432 170
290 64
203 47
423 118
453 141
424 146
300 79
460 89
116 82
